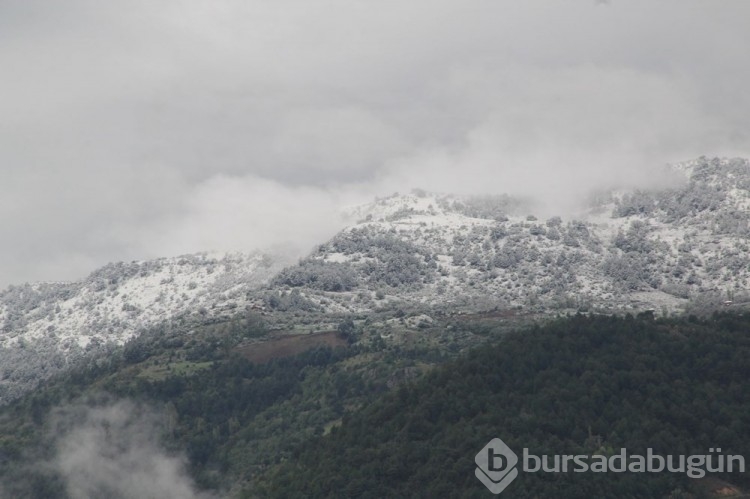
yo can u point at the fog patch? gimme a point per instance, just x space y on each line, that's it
113 451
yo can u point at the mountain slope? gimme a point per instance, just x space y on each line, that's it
641 249
580 386
399 287
45 326
668 249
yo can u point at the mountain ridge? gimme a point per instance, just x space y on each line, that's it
670 244
664 249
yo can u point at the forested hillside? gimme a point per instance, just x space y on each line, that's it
373 419
46 328
585 385
236 364
216 398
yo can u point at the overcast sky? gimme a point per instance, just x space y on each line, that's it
137 129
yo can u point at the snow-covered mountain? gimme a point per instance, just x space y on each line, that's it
117 300
648 249
44 326
662 249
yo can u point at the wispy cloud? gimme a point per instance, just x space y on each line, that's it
112 451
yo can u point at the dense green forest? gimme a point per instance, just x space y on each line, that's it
585 385
375 419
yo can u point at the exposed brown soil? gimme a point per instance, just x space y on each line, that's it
507 313
713 487
286 345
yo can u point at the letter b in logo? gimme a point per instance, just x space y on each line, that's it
496 466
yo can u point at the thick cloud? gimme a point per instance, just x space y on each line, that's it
140 129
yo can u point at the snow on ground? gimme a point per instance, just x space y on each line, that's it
117 301
469 251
